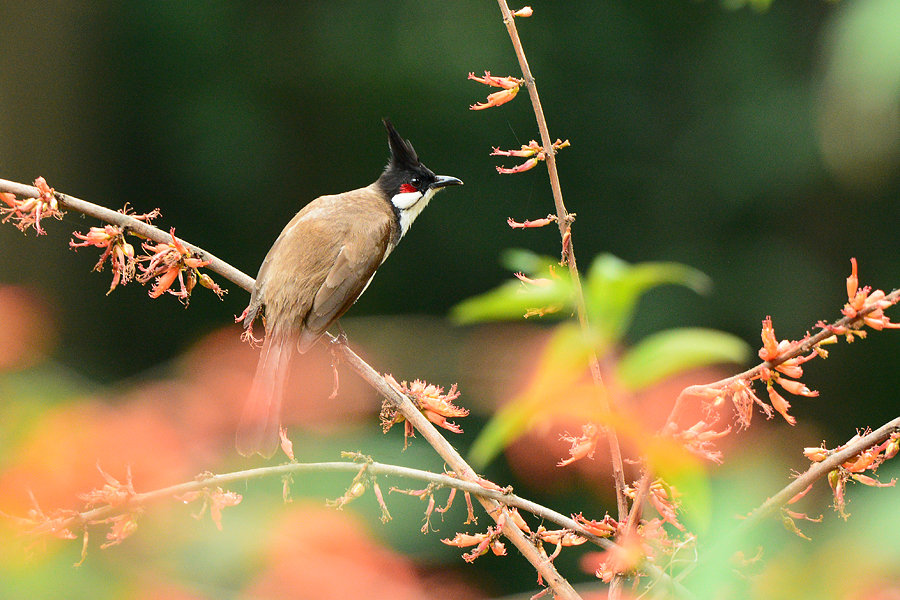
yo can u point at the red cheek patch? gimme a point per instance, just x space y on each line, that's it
407 189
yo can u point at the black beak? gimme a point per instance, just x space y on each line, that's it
443 181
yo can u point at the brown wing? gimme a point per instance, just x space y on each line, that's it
348 278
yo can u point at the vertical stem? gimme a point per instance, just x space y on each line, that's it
562 215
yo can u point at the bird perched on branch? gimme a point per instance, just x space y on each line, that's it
318 267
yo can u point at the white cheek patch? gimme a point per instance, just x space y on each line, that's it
405 200
409 213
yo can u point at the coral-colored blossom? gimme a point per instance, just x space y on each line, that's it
852 469
430 399
533 151
170 261
28 212
743 399
799 495
699 438
583 445
817 454
520 168
561 537
663 497
526 224
605 528
216 499
780 404
796 387
113 493
220 499
122 526
496 99
119 252
624 557
528 150
57 523
287 446
525 11
539 282
510 87
865 299
771 349
871 481
506 83
483 542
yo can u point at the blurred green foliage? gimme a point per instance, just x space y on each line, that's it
612 289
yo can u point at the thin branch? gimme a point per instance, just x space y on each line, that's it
569 253
132 225
817 471
372 468
561 588
799 348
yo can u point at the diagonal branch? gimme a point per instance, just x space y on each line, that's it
816 471
799 348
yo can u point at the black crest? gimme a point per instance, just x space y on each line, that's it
403 155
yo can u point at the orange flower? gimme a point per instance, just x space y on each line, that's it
582 446
220 499
770 350
521 168
496 99
860 299
287 446
215 499
122 526
796 387
536 223
430 399
743 399
604 528
533 151
507 83
622 558
817 454
525 11
168 262
114 493
510 87
119 252
780 404
483 542
561 537
698 439
28 212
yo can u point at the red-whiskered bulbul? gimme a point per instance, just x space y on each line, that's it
321 263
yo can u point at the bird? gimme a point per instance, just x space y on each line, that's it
320 264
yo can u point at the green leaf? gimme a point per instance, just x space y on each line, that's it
514 299
613 288
563 362
668 352
526 261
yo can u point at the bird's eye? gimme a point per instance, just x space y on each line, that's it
416 182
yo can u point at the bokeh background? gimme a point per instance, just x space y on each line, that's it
758 146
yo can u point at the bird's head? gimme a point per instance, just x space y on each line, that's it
408 184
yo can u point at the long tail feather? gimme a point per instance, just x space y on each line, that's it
260 422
